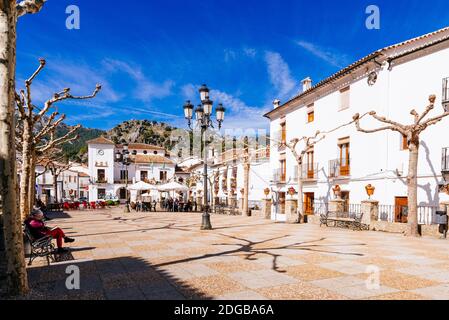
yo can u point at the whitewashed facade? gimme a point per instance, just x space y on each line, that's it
226 176
71 184
108 177
392 82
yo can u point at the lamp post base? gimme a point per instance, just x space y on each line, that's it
205 224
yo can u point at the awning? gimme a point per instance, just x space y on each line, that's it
142 186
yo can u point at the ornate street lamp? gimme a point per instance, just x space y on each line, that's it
125 160
203 114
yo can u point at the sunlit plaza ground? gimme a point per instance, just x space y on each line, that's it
166 256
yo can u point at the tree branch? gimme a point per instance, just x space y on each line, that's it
398 127
29 7
429 108
65 95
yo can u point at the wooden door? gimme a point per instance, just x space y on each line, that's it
310 165
345 168
309 199
401 209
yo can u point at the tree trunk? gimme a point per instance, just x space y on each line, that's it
412 185
17 281
246 168
55 186
300 195
32 182
26 170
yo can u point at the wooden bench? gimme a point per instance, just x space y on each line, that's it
227 210
42 247
55 207
351 220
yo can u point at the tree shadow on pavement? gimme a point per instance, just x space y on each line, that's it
250 249
124 278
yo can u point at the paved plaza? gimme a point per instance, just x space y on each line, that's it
166 256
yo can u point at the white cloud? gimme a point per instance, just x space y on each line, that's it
280 75
80 78
229 55
250 52
146 90
333 58
189 91
238 114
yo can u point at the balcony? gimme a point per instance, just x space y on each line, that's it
308 172
445 161
279 176
445 97
101 181
337 170
121 181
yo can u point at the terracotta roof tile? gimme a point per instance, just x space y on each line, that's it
151 159
100 140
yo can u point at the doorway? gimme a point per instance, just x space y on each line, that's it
282 197
309 199
401 209
345 197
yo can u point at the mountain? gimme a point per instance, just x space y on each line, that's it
132 131
77 150
142 131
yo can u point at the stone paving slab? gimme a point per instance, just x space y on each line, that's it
161 256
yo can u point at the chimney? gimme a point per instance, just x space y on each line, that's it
306 84
276 103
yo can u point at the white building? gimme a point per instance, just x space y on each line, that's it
71 184
108 177
226 176
391 81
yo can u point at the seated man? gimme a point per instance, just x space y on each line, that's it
39 230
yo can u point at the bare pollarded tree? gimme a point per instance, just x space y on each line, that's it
412 132
10 11
299 147
305 144
38 134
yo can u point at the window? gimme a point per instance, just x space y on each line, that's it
163 175
344 146
345 98
101 175
283 167
310 164
155 152
310 117
143 175
123 174
283 132
404 143
310 113
101 194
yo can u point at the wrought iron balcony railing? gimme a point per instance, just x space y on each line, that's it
279 176
337 169
308 172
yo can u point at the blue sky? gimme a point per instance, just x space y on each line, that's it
150 56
